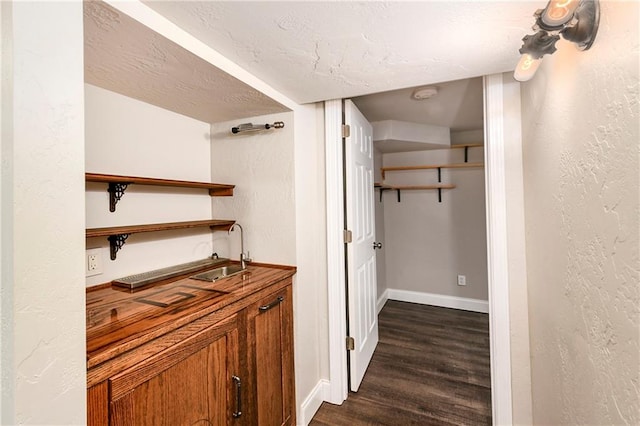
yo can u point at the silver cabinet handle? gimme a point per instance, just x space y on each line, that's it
276 302
238 384
377 245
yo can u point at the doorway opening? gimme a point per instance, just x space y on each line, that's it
494 95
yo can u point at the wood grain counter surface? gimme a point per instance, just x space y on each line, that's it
119 320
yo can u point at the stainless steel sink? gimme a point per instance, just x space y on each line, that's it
218 273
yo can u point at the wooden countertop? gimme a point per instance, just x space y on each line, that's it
119 320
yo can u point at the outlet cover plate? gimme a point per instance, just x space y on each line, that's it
462 280
93 262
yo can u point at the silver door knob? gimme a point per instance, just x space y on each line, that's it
377 245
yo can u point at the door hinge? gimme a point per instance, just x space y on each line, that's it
351 344
346 130
347 236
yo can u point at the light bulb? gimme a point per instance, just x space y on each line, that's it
559 12
527 67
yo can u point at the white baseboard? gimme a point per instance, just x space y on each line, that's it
466 304
382 300
312 403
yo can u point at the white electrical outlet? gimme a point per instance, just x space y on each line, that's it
93 262
462 280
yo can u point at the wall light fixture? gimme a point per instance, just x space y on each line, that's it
574 20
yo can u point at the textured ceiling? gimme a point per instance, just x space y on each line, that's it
126 57
313 51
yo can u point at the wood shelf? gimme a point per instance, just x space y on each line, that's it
403 187
466 145
399 188
136 229
117 235
118 185
429 166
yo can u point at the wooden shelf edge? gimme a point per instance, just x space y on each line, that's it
466 145
215 189
215 224
384 170
432 166
410 187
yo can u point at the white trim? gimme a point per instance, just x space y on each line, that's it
382 300
497 260
466 304
312 402
335 253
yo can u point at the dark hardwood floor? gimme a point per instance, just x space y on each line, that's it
431 367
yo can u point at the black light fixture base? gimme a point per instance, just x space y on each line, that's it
539 44
584 32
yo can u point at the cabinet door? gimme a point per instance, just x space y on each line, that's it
270 332
191 383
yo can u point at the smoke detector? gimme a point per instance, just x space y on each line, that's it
424 93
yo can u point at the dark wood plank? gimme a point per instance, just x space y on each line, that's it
431 367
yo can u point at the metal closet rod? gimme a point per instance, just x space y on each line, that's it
250 127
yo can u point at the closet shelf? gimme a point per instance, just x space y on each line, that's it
117 235
403 187
429 166
399 188
118 185
466 145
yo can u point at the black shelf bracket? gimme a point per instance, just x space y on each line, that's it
382 189
116 242
439 174
466 154
116 191
439 195
398 193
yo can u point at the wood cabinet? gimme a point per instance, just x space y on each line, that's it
189 383
229 363
270 338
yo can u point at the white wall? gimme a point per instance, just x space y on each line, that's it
127 137
43 304
261 165
429 243
581 131
310 290
381 254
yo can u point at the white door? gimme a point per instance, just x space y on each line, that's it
361 257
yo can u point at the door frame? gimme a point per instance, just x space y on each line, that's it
336 269
497 251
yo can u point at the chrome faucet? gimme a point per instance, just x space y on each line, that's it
244 258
